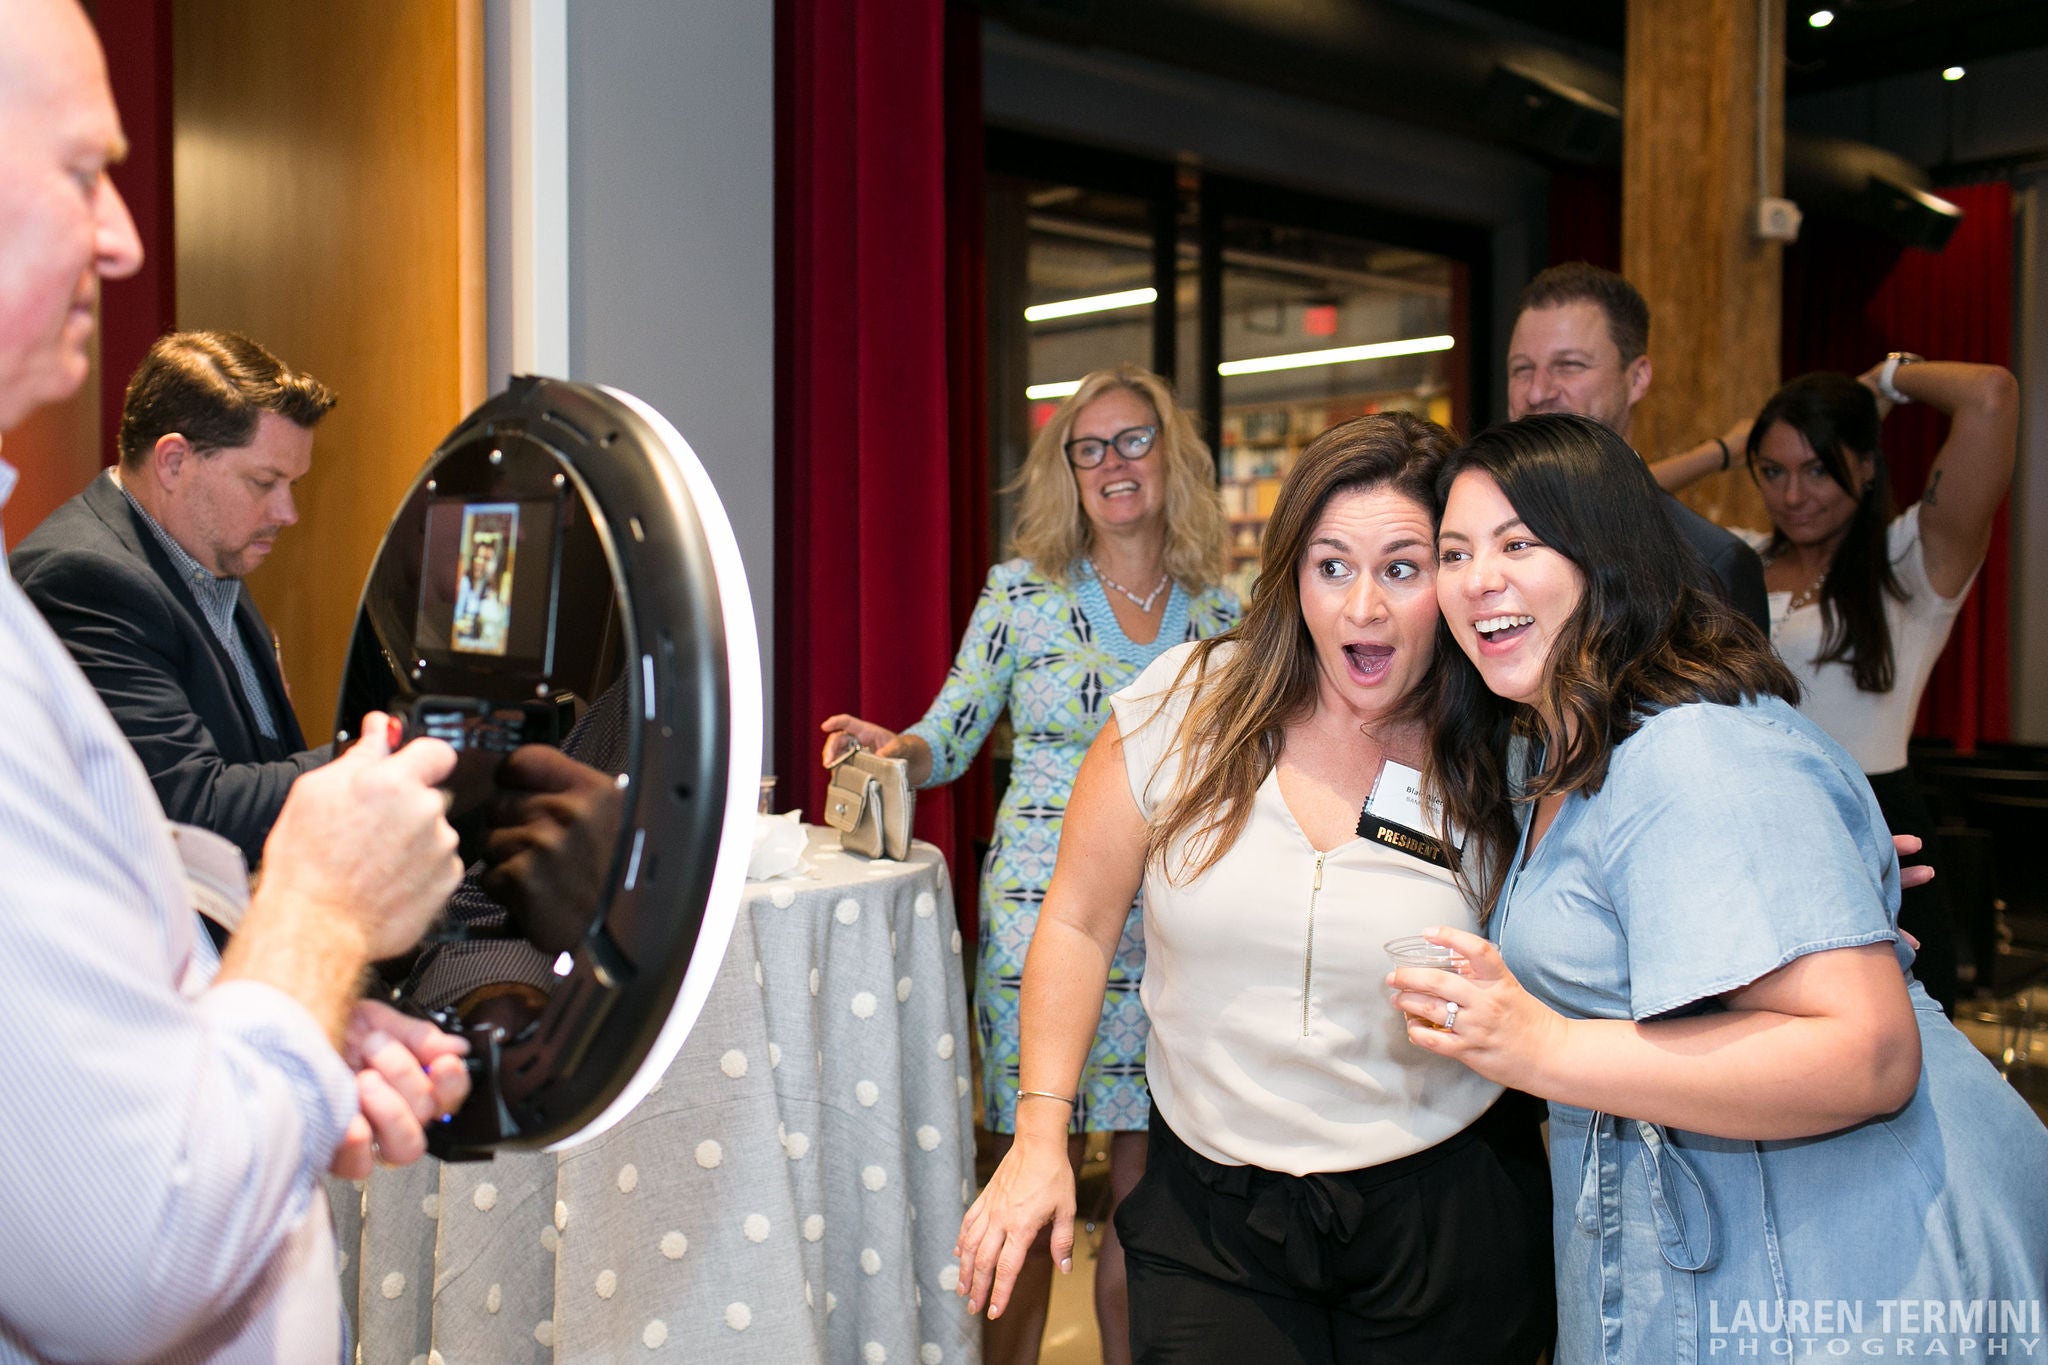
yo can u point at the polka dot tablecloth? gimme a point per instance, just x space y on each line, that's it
789 1193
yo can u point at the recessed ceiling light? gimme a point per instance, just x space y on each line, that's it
1821 18
1952 73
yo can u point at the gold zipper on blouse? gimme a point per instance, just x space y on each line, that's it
1308 962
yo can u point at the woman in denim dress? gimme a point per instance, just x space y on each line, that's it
1766 1141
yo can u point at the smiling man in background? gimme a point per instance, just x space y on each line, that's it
1581 344
141 576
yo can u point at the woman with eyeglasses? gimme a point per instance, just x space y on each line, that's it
1119 545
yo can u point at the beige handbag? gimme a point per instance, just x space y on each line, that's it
870 803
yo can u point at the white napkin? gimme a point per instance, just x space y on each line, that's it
216 876
217 885
778 847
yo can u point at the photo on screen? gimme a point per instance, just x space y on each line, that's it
483 590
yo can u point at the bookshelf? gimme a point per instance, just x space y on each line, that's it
1259 445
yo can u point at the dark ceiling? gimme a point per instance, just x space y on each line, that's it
1868 40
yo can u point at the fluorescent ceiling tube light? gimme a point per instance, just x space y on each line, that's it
1300 360
1341 355
1038 391
1094 303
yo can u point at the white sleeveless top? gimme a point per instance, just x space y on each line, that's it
1872 726
1273 1040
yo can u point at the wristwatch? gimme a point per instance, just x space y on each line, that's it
1891 368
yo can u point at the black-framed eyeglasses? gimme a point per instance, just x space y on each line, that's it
1133 443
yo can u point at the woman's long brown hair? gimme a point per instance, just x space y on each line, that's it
1229 738
1649 632
1837 418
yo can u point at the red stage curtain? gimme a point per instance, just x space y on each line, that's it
134 312
972 809
875 464
1850 298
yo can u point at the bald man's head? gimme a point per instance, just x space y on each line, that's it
62 225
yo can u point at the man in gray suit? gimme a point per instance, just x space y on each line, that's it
141 576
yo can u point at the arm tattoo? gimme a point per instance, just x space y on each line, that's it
1931 496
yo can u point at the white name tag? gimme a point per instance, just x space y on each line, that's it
1394 815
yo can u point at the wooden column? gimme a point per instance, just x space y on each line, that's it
329 174
1689 194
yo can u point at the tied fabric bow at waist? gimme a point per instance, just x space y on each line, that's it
1333 1208
1283 1208
1301 1226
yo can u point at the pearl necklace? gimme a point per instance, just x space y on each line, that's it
1809 594
1143 604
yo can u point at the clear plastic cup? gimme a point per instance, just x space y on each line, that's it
1413 950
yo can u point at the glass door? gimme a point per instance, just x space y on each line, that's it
1079 278
1316 320
1279 313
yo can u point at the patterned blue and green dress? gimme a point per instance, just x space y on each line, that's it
1052 654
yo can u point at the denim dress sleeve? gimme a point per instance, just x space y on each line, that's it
977 686
1733 840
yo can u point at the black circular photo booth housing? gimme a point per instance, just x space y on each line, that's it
563 543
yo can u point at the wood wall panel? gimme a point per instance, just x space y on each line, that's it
57 451
1689 190
329 164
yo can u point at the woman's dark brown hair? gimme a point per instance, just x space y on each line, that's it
1837 418
1649 632
1230 735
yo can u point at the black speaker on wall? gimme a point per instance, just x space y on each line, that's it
1909 216
1867 185
1551 116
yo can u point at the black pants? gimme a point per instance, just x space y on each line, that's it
1924 910
1442 1256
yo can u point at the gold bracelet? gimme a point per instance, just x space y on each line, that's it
1048 1095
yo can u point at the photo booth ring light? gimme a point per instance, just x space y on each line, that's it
562 543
